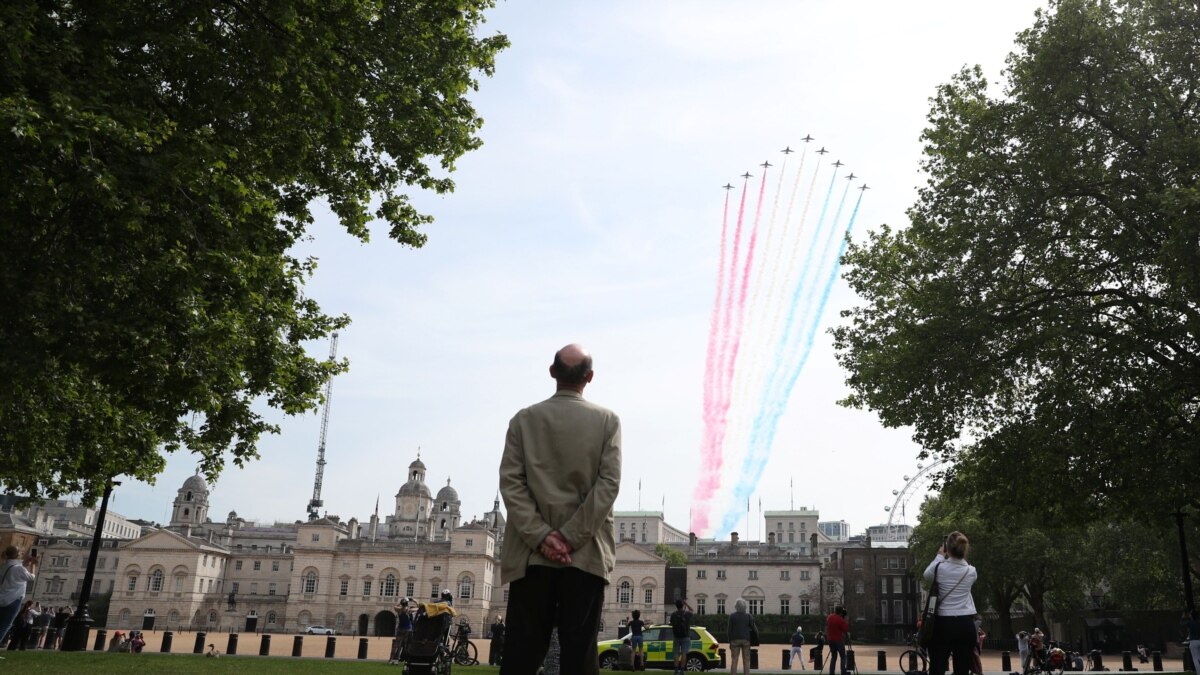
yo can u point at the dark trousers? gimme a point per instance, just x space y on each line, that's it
544 597
957 636
837 649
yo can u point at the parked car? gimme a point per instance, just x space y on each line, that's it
318 630
659 643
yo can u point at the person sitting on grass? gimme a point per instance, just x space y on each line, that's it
212 652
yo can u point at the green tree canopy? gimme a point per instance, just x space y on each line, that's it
159 163
674 558
1042 307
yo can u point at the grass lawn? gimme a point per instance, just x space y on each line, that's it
103 662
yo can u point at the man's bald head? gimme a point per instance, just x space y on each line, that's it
572 366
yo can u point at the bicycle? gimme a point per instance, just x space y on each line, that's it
462 650
914 661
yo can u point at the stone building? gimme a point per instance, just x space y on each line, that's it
646 527
876 584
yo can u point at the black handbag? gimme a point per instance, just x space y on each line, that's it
926 630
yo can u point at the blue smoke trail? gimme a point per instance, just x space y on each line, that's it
766 421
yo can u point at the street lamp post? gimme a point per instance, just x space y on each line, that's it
1183 557
76 635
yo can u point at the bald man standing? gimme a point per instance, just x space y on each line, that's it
559 476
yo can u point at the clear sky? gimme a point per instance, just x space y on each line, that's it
592 214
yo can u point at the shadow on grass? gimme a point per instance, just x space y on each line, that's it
90 663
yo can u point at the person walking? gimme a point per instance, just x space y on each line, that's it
16 574
797 649
837 631
955 632
559 475
741 624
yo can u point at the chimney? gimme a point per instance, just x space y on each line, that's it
733 538
770 539
692 539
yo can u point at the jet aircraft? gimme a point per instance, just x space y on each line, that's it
851 176
727 186
766 165
822 151
864 187
807 138
838 163
788 150
747 175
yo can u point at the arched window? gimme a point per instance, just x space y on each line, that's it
388 587
156 581
271 617
443 523
465 586
188 498
123 619
444 508
173 618
186 512
310 582
624 593
212 618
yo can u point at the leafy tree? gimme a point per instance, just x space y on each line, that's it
160 160
674 558
1043 304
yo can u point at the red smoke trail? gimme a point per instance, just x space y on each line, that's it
741 306
715 394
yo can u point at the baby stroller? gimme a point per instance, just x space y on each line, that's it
428 651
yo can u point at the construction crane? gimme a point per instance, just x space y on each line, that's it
315 504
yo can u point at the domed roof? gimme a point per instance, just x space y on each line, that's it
414 488
195 484
417 464
447 494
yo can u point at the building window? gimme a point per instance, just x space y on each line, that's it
257 565
791 537
316 537
254 588
830 587
411 568
753 575
344 587
271 618
720 574
370 566
271 588
505 594
237 565
804 608
784 575
756 605
156 579
465 588
858 587
858 563
785 606
437 568
274 565
701 574
179 584
132 582
700 606
805 575
310 582
624 593
409 588
649 596
388 587
435 588
470 543
366 587
720 605
236 586
212 618
883 611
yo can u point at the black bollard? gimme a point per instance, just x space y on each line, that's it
721 656
912 662
1156 659
199 647
785 660
1006 661
1188 664
231 649
362 648
168 638
1127 661
330 646
100 635
881 661
264 649
297 645
850 665
753 658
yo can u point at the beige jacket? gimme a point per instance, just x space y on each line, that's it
561 470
